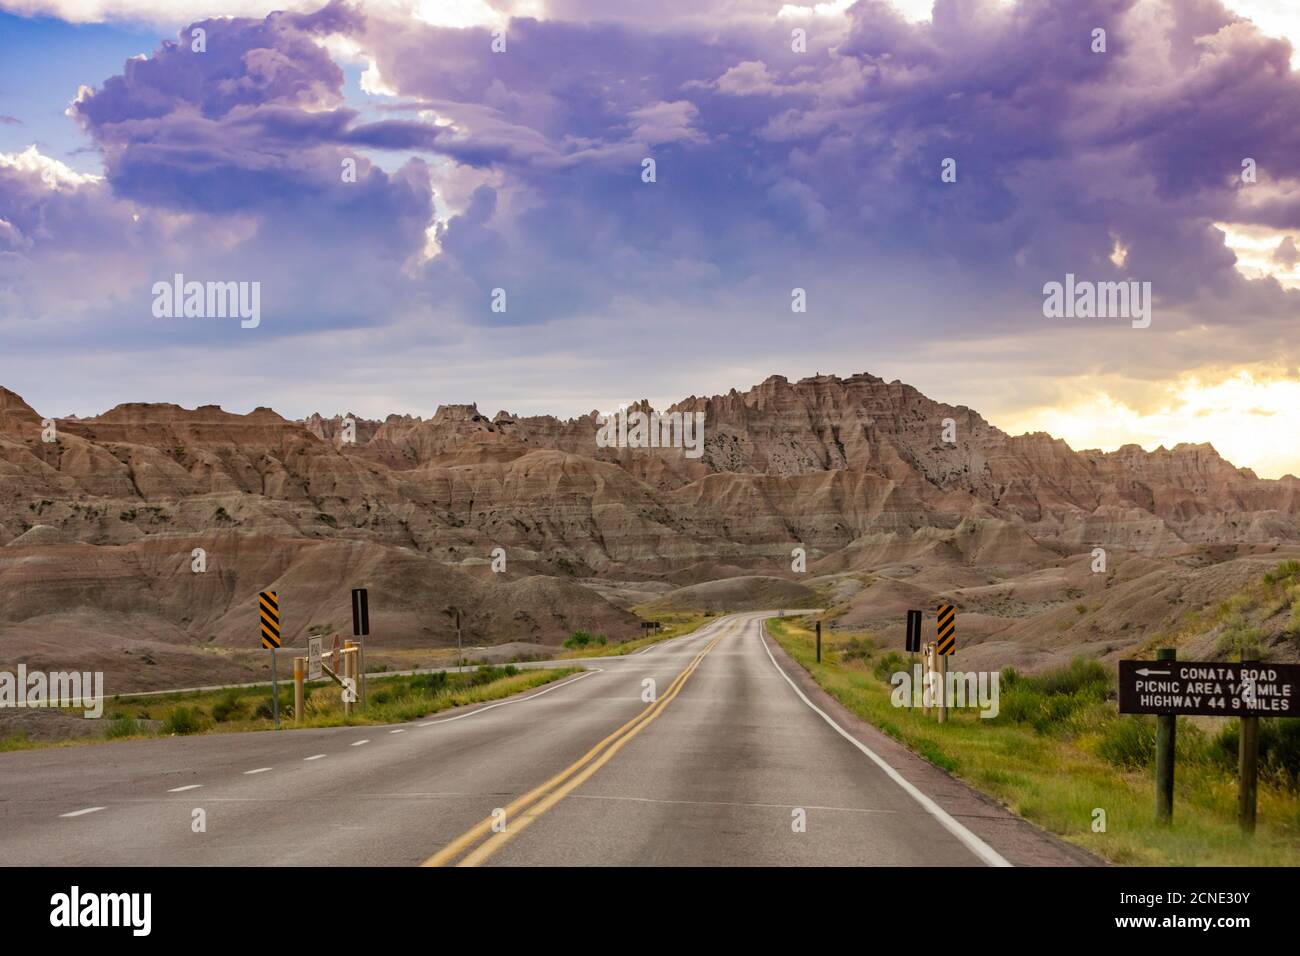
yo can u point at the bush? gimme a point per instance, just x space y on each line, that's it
123 726
580 639
489 673
1285 572
1056 700
265 712
1279 749
1129 742
858 649
1079 677
229 707
183 720
1239 637
890 664
434 683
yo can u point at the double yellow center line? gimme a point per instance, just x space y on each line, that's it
523 811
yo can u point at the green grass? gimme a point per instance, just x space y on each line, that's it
1058 750
392 699
673 624
581 639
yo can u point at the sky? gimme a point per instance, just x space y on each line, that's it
922 172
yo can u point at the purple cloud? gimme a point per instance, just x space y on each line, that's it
775 169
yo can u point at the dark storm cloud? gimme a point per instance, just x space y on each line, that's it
775 169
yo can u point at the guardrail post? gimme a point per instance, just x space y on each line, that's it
349 672
819 642
299 669
927 692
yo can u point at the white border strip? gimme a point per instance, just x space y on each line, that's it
973 843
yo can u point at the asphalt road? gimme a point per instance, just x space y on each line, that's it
732 762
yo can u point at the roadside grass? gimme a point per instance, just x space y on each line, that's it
674 624
391 700
1058 751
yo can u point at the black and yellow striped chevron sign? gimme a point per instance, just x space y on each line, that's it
947 642
269 609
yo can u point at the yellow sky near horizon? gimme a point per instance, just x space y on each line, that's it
1252 420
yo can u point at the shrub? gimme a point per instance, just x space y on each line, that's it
1239 637
265 712
889 665
1080 676
579 639
123 726
183 720
1017 704
1285 572
1279 749
434 683
1129 742
1057 700
858 649
489 673
229 707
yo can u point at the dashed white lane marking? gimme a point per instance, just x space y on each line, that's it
258 770
81 813
314 757
518 700
358 743
973 843
188 786
397 731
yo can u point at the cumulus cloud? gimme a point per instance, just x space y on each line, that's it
775 169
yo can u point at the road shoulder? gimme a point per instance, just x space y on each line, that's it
1019 841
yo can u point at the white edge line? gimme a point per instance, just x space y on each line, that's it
973 843
81 813
258 770
188 786
517 700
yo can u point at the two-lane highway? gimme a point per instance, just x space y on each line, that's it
701 750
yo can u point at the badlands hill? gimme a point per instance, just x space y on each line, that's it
98 529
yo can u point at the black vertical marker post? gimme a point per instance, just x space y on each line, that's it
360 628
913 640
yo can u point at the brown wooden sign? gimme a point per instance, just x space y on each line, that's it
1209 688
